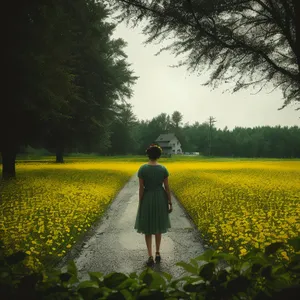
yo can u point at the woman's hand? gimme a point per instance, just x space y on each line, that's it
170 207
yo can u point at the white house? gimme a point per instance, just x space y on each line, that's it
169 143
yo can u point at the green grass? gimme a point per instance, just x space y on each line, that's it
139 158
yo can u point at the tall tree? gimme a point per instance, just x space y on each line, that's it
68 76
122 138
103 78
176 118
247 42
38 84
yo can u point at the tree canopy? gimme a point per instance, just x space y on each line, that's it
245 42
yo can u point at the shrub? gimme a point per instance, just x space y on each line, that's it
257 275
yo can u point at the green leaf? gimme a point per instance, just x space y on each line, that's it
158 281
97 277
72 269
294 265
295 258
133 275
167 276
90 293
207 271
16 258
154 280
188 267
239 284
222 276
271 249
65 277
173 284
179 295
88 284
259 258
281 281
113 280
206 256
266 272
146 271
147 279
295 243
126 283
194 262
144 293
256 267
194 287
116 296
148 294
225 256
127 295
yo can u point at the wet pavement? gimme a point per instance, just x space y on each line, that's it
114 245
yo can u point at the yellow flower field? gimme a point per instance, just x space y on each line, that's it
49 206
235 204
238 205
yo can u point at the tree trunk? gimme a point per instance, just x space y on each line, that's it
8 164
60 154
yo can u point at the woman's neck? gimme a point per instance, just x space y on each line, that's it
152 162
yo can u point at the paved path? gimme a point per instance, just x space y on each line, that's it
116 246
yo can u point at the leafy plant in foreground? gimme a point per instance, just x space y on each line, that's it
212 275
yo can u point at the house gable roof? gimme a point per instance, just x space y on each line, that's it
165 137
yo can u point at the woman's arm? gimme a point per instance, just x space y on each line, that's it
167 188
141 189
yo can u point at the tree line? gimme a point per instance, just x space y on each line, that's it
67 79
132 137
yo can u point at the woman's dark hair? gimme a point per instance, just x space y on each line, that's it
154 152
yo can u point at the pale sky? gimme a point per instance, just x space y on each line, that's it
161 88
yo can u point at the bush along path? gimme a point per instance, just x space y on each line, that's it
257 275
116 246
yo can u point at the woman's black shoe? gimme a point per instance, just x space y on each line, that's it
150 261
157 257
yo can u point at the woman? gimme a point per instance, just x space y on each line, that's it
154 202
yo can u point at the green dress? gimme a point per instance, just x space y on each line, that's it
152 215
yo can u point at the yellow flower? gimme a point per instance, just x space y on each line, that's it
243 251
284 255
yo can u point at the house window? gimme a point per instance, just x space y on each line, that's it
174 145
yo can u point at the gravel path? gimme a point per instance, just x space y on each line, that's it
116 246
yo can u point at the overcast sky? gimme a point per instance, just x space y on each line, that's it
161 88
